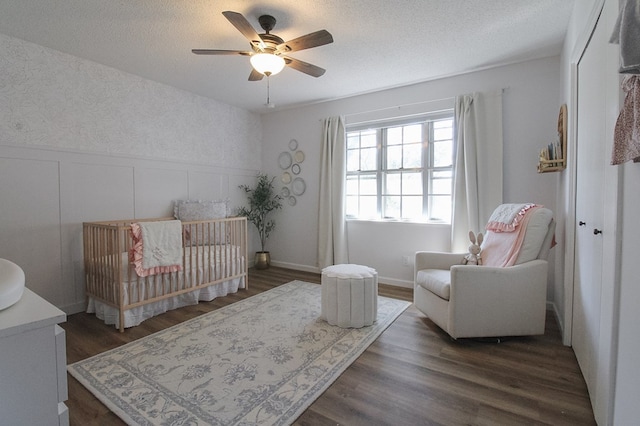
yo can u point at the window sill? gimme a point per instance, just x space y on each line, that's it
401 222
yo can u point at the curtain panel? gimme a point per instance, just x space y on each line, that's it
332 232
478 179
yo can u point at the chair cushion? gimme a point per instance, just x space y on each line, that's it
537 229
437 281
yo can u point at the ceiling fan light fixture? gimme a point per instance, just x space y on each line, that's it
267 63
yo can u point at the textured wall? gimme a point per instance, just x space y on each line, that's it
83 142
51 99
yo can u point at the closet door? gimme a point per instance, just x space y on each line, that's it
589 207
595 294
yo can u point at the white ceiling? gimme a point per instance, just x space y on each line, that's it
378 43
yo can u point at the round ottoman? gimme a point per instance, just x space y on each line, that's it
349 295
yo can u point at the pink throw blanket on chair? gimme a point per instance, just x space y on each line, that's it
501 247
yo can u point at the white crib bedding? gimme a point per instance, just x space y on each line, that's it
202 264
135 316
198 258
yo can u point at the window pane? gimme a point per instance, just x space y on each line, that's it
412 183
394 157
443 134
443 130
369 159
412 156
439 124
412 207
352 186
368 139
442 174
368 185
368 207
353 160
352 206
440 208
392 184
391 207
413 133
394 136
353 140
443 154
441 186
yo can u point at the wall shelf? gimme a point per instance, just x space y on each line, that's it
546 166
554 157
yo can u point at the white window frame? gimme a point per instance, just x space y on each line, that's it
428 169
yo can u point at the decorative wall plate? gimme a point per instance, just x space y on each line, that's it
293 144
286 177
292 201
299 156
284 160
285 192
298 186
295 169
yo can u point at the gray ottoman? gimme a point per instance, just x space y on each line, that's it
349 295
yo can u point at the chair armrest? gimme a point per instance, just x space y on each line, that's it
467 278
436 260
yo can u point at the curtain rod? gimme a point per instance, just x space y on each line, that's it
399 106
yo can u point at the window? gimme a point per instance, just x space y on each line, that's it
401 170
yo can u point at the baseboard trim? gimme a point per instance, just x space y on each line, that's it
382 280
551 306
74 308
395 282
296 266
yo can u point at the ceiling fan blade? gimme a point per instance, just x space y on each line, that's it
304 67
241 23
319 38
219 52
255 75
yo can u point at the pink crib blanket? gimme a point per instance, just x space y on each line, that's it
157 247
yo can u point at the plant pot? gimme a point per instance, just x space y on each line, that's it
262 260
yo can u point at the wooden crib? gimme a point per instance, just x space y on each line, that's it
214 263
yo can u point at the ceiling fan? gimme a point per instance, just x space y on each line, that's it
269 52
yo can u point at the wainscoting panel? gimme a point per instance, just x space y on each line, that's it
30 222
99 191
46 195
156 188
90 191
208 186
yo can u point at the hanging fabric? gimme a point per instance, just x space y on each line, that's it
626 33
626 138
478 180
332 232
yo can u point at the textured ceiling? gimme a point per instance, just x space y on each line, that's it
378 43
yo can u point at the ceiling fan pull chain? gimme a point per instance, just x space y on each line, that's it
269 104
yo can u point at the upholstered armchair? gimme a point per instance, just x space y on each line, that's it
490 301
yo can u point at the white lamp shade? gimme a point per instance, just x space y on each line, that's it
267 63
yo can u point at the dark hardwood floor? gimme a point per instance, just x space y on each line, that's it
413 374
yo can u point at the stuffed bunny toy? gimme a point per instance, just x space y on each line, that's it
474 258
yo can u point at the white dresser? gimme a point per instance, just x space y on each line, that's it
33 370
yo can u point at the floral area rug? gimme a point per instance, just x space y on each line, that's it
260 361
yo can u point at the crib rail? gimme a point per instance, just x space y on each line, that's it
214 251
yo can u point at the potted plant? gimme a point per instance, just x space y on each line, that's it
263 199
